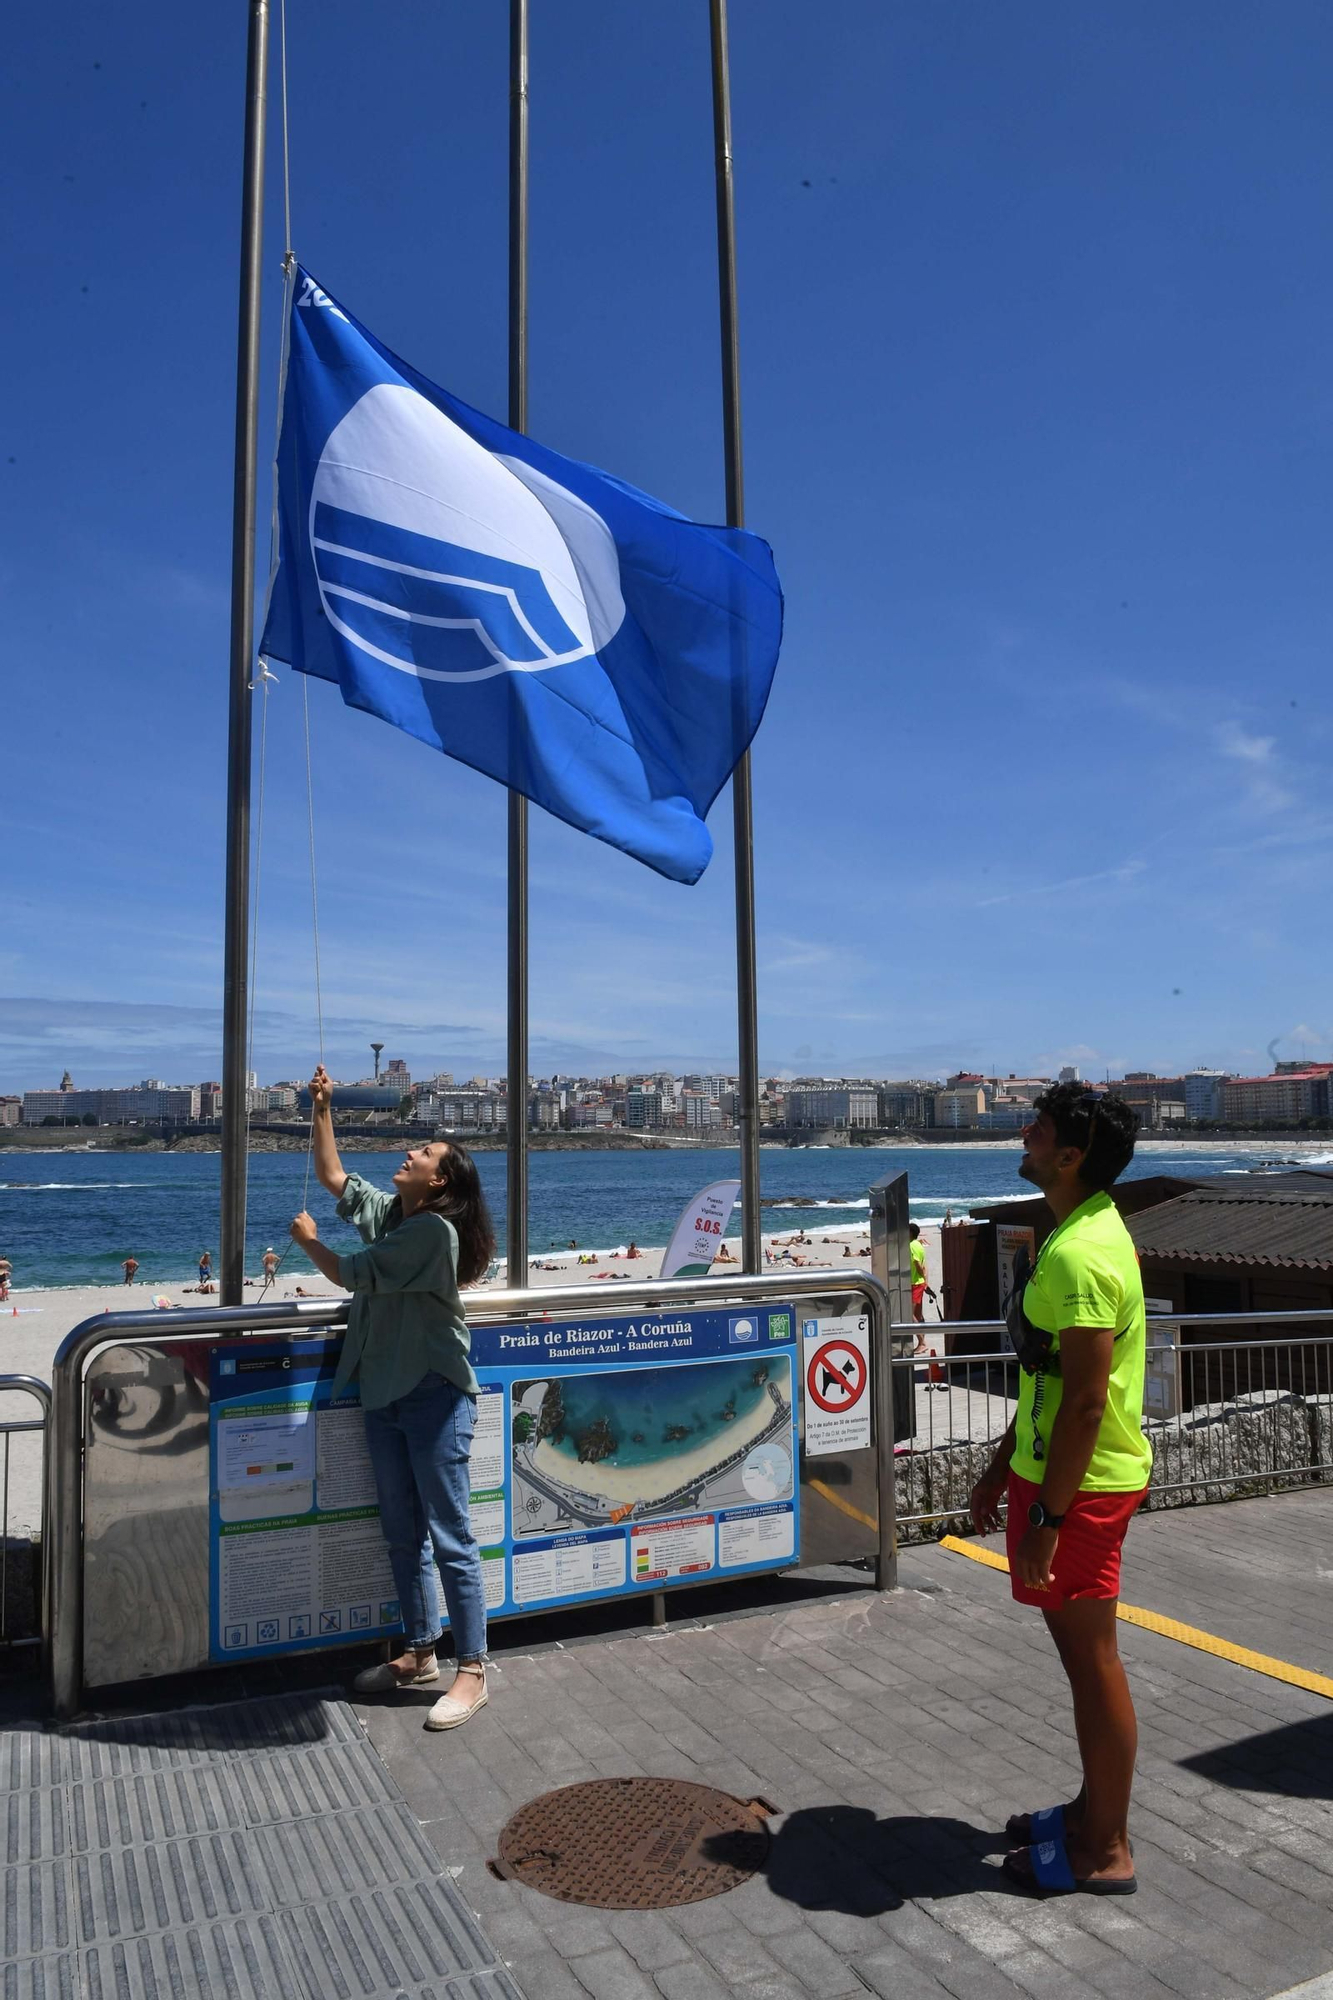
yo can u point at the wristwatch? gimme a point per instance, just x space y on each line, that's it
1042 1517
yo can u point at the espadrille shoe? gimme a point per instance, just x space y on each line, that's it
451 1709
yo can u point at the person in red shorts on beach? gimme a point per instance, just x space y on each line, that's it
1075 1465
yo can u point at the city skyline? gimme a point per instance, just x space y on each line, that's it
699 1106
396 1072
33 1035
1036 421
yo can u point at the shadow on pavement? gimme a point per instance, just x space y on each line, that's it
1295 1762
841 1857
244 1723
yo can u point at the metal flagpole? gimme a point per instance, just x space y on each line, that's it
747 1028
237 915
516 1226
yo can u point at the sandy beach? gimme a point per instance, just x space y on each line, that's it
33 1323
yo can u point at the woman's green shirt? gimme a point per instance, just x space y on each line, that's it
407 1318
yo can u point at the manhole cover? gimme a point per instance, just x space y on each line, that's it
634 1843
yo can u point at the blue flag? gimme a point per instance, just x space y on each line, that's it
529 615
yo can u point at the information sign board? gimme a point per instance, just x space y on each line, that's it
641 1451
836 1357
610 1456
296 1557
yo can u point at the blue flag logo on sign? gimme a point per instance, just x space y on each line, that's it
532 616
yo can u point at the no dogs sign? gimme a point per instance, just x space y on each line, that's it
836 1358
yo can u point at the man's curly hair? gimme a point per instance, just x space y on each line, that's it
1098 1120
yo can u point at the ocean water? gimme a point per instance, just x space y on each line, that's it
641 1405
68 1218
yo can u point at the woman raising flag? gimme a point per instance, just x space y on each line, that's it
407 1347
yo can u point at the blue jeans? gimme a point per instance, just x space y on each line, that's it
419 1449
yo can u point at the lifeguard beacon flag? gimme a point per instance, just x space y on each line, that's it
529 615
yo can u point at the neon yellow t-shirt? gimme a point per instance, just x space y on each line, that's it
1088 1275
918 1261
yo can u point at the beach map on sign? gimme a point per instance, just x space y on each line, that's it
591 1450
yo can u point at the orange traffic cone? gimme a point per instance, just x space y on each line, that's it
935 1373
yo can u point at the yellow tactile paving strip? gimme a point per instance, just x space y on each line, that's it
843 1506
1171 1628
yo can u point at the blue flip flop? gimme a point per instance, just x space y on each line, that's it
1028 1828
1051 1874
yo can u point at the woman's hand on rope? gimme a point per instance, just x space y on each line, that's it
323 1145
305 1230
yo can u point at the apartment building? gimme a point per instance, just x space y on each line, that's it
150 1103
832 1107
1281 1099
1203 1092
962 1104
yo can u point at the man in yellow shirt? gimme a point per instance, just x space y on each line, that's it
1075 1465
921 1286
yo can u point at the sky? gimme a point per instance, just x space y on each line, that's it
1035 311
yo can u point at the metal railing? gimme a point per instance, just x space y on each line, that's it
62 1541
1271 1387
1236 1416
11 1427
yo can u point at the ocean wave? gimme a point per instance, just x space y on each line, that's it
46 1187
957 1201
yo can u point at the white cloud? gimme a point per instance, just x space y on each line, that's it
1263 785
1125 872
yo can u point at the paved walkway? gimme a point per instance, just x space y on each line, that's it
897 1734
261 1852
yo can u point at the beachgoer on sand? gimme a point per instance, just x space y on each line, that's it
1075 1463
6 1272
407 1346
271 1261
205 1269
129 1267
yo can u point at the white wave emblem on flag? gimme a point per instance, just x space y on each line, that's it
446 561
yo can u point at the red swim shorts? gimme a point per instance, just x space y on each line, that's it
1087 1555
918 1295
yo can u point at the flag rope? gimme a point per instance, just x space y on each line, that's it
289 279
314 918
263 679
287 259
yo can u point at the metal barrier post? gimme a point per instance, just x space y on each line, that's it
27 1385
62 1515
886 1495
895 1402
63 1530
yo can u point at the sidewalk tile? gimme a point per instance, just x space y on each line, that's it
612 1975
